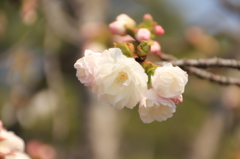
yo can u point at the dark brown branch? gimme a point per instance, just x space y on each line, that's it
205 63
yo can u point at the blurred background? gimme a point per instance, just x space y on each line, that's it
42 101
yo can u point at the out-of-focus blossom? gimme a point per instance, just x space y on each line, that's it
169 81
87 67
154 107
121 24
158 30
121 81
143 34
203 42
155 47
41 107
11 146
28 12
39 150
11 141
90 30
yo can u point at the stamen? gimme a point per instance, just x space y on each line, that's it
122 77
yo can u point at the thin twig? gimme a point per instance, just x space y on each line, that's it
223 80
220 79
205 63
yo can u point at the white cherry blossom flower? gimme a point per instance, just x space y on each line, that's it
154 107
87 67
121 81
169 81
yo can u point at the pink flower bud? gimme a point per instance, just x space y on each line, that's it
155 47
178 99
117 27
159 30
148 17
143 34
126 19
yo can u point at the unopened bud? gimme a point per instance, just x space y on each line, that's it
121 25
147 17
143 48
158 30
117 28
143 34
155 47
128 21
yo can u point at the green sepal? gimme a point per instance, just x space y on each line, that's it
149 70
126 47
143 48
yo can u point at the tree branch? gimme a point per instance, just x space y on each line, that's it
223 80
187 65
205 63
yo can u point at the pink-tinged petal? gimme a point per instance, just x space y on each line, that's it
178 99
87 67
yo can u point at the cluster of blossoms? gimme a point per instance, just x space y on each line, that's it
11 146
122 77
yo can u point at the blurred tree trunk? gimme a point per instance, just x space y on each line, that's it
103 126
209 139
